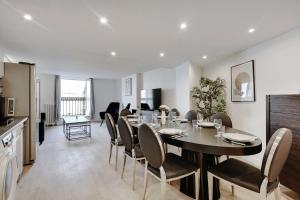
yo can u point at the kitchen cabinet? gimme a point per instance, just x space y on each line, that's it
18 147
1 68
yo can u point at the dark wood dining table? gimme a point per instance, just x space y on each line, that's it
201 146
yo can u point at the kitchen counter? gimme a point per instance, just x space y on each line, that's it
16 121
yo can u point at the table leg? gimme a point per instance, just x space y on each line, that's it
203 177
206 161
187 185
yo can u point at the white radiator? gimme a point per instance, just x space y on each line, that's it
49 110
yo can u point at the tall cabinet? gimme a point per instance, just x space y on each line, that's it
19 83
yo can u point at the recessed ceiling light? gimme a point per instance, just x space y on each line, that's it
113 53
251 30
204 57
162 54
183 26
27 17
103 20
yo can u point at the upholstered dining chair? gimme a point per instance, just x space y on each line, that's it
128 106
132 148
175 110
191 115
114 139
163 166
226 121
125 112
265 180
113 109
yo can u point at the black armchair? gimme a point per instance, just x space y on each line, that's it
113 109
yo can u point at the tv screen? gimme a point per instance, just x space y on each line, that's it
150 99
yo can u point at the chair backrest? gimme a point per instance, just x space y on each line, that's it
151 145
113 108
125 112
226 121
191 115
175 110
112 130
276 153
128 106
126 133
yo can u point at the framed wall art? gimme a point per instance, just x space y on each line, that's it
128 87
243 82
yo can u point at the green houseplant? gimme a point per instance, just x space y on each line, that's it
209 96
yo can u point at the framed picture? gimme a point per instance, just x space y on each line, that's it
243 82
128 87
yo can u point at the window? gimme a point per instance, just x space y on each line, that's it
75 97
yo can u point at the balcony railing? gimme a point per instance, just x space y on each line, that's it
72 106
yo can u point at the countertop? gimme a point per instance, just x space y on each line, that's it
7 128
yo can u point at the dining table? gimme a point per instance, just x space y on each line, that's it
201 146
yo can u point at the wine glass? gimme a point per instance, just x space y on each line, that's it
218 126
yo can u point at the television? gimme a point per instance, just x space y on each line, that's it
150 99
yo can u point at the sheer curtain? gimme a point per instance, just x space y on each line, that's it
57 91
90 100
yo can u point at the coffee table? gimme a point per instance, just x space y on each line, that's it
77 127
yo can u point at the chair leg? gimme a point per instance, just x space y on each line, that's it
197 184
116 157
277 193
166 147
133 172
163 185
145 180
210 188
101 122
232 190
110 151
124 163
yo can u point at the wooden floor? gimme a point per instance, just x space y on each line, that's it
79 170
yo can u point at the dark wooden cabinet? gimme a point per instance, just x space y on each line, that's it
283 111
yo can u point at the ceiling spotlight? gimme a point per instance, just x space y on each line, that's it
251 30
27 17
113 53
183 26
103 20
204 57
161 54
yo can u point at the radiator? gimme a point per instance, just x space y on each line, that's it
49 110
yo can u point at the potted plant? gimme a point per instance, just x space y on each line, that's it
209 97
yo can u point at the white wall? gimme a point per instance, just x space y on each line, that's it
277 71
183 87
47 83
166 80
187 76
176 84
105 91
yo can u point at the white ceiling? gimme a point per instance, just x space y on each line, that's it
67 38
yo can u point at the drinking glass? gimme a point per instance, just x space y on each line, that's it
195 123
177 122
218 126
199 118
154 118
172 115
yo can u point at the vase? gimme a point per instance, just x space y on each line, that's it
163 117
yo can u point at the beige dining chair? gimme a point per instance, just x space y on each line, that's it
165 167
132 148
114 139
262 181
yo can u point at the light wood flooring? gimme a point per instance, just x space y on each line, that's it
79 170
